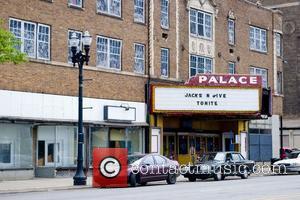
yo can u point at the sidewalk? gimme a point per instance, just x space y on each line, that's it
40 184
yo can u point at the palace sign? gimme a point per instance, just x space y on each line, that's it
219 94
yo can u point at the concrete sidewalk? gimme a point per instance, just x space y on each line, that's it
40 184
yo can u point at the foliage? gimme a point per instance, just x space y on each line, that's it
8 51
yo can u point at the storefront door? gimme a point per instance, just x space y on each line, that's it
170 145
49 153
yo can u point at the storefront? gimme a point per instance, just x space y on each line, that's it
38 132
209 113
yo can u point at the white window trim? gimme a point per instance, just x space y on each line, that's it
12 161
71 30
234 69
75 5
108 53
167 63
233 21
260 68
205 57
212 25
139 44
261 30
281 44
108 13
35 38
168 14
144 13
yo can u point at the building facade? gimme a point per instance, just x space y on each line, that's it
291 117
136 45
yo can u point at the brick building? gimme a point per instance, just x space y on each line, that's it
170 40
291 108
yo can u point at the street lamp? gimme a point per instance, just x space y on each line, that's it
80 58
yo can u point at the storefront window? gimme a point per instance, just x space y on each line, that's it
117 138
15 146
183 144
57 146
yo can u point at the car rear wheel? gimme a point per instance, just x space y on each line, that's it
299 172
245 174
218 176
144 183
171 179
223 177
192 179
132 180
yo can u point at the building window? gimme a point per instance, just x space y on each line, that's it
231 68
258 39
110 7
76 3
139 11
200 65
231 31
5 153
278 44
139 58
200 24
164 62
262 72
164 13
79 36
279 83
34 37
109 53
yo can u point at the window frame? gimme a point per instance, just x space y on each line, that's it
144 13
279 90
205 58
144 61
168 62
75 5
168 15
230 31
108 53
280 43
230 64
261 30
205 14
261 69
35 40
12 161
108 10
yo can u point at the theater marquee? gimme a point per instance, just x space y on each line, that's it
210 94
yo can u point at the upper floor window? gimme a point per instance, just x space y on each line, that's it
139 58
260 71
76 3
164 62
278 38
111 7
258 39
164 13
279 83
200 65
231 31
231 68
79 36
109 53
139 11
200 23
34 37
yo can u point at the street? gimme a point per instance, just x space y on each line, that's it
259 188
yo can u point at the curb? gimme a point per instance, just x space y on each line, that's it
44 189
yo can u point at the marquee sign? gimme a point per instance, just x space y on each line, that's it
219 94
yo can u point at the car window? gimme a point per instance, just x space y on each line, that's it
148 160
241 157
159 160
294 155
228 156
235 157
132 159
220 157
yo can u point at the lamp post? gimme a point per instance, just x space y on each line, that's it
80 58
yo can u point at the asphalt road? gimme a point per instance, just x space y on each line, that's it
285 187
